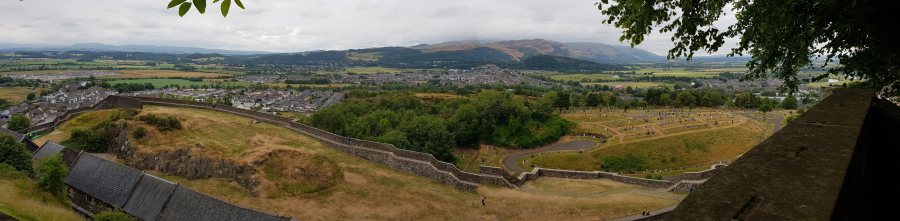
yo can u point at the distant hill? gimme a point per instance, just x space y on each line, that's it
125 48
520 49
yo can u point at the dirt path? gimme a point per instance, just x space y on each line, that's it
510 161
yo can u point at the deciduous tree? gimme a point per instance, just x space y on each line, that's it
780 36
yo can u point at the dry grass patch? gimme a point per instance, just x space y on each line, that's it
369 191
15 95
82 121
21 199
663 152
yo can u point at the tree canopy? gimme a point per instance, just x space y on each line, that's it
14 154
435 127
780 36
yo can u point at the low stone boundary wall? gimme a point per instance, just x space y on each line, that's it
413 162
687 181
421 164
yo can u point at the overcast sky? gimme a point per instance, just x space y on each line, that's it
302 25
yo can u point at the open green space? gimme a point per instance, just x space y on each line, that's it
21 198
365 190
632 84
695 148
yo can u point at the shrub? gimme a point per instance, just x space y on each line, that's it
161 123
14 154
96 139
139 133
110 215
51 174
629 163
18 122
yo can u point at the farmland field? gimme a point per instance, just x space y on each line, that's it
161 74
683 72
15 95
375 70
158 83
580 77
369 191
632 84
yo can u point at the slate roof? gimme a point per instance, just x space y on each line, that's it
49 149
103 179
149 197
16 135
187 204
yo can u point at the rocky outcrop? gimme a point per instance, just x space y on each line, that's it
182 163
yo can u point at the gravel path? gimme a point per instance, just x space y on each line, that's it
510 161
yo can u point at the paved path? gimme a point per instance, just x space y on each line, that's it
510 162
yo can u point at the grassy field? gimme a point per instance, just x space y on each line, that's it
82 121
15 95
180 82
369 191
665 138
21 199
632 84
580 77
375 70
692 73
692 148
160 74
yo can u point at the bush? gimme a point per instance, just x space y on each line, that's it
139 133
96 139
113 216
51 174
627 164
14 154
161 123
18 122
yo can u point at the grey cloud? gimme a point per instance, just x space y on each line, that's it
300 25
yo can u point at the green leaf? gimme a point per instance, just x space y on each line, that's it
174 3
200 5
225 5
185 7
239 4
214 1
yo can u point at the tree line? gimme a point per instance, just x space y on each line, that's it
401 119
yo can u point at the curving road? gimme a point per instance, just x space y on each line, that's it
510 162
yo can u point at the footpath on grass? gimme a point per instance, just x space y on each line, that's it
510 162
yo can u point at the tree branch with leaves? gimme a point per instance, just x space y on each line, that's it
184 6
782 37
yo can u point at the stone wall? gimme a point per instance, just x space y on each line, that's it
573 174
412 162
417 163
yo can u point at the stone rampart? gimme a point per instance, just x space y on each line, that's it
412 162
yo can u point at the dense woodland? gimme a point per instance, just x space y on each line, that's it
401 119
